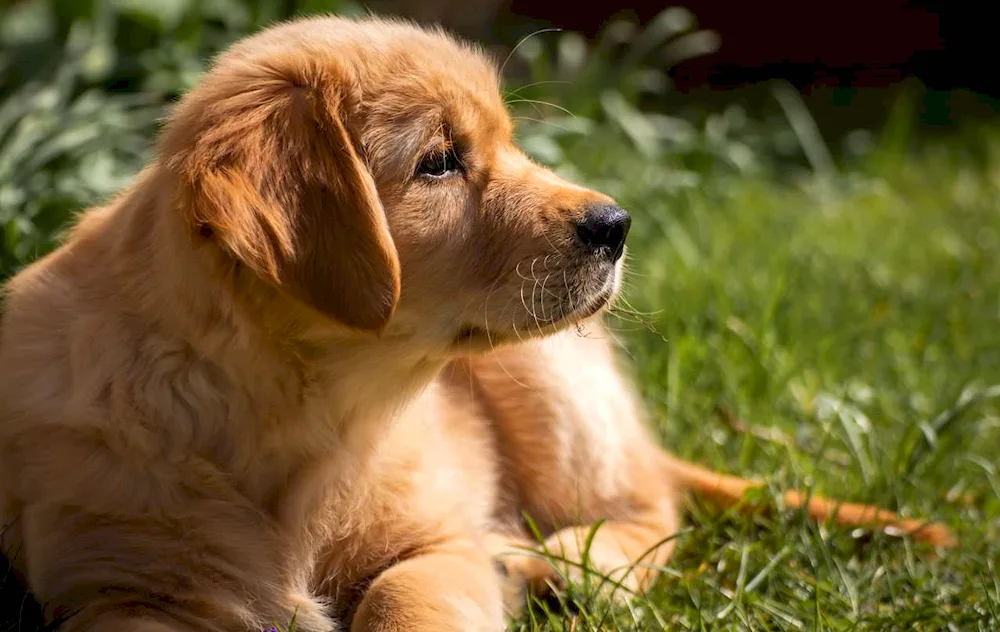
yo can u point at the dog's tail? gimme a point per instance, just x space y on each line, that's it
729 491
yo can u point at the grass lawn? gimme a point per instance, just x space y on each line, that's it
838 333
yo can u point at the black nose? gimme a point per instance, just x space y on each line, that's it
604 229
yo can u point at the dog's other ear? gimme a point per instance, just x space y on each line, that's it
270 172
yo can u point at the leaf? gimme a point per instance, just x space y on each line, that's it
164 15
543 149
636 126
572 54
27 22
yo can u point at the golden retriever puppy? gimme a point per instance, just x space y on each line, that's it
252 386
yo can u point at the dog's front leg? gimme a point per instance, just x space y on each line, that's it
451 587
197 570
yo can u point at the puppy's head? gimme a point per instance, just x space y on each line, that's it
367 170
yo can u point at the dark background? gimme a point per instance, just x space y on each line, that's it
851 43
850 59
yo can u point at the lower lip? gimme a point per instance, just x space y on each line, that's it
597 305
472 333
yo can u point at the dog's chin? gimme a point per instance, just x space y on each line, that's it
477 338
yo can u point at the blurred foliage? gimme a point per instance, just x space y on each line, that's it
151 46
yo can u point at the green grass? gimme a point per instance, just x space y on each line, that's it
840 334
826 325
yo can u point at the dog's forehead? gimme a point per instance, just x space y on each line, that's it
400 71
419 86
437 100
433 74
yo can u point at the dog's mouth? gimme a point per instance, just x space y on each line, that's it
474 337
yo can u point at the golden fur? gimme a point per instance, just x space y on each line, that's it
252 386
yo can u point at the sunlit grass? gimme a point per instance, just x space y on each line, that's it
840 336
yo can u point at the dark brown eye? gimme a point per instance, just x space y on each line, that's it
439 163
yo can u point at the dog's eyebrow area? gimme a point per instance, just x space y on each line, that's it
399 146
396 147
439 136
446 138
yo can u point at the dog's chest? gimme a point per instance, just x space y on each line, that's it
431 474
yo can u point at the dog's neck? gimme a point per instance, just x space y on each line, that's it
300 386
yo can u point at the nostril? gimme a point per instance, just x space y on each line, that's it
604 230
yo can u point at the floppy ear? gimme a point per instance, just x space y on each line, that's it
270 172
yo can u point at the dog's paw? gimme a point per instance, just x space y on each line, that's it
599 567
523 571
547 571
